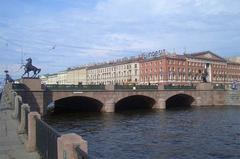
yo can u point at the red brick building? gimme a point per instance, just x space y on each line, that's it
187 69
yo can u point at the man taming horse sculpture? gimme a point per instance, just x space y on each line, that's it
204 75
29 67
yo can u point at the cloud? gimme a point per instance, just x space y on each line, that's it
101 30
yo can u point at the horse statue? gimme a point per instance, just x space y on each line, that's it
29 67
205 76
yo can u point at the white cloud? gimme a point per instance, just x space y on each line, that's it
119 27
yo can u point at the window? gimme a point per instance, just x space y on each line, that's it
135 72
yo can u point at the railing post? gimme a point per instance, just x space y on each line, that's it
17 101
109 87
31 141
6 97
67 144
204 86
21 127
160 87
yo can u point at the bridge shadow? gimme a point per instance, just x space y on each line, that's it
136 102
77 104
179 102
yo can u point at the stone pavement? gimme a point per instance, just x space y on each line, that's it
11 145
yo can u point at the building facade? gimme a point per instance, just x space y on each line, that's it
232 72
71 76
50 79
188 69
123 72
162 68
76 76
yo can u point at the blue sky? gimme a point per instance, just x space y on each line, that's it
89 31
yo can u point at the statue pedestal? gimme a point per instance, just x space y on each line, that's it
204 86
33 84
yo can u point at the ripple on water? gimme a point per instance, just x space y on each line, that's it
211 133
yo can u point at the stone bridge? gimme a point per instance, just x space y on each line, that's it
111 100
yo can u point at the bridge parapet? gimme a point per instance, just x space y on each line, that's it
204 86
203 94
180 87
56 87
200 86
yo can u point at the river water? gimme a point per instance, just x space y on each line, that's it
199 133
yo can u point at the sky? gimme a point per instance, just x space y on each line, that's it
58 34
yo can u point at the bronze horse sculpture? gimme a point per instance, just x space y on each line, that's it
29 67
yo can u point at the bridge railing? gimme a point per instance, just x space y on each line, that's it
135 87
219 87
18 87
46 140
75 87
19 114
180 87
27 111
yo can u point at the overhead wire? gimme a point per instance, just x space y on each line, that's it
56 45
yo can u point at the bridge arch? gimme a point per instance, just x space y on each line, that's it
77 103
134 102
179 101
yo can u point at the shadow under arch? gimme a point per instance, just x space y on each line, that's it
134 102
77 104
179 101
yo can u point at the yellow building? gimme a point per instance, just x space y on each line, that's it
71 76
122 72
76 76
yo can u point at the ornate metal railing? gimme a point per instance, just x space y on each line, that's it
27 111
46 138
18 87
169 87
19 114
135 87
75 87
219 87
80 153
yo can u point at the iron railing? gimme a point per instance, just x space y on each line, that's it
75 87
18 87
26 120
46 140
135 87
219 87
19 111
80 153
170 87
